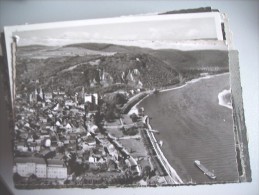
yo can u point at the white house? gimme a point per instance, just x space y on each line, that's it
92 98
48 96
70 103
21 147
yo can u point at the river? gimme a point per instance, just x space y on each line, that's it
193 126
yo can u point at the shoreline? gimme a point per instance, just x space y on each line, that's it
192 81
174 177
134 109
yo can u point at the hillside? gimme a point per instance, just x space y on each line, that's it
138 71
180 60
108 67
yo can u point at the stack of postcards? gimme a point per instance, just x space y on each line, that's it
132 101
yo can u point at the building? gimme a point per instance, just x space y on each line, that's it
36 96
48 96
21 146
70 103
56 169
92 98
28 166
133 166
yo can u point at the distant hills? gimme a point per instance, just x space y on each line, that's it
197 59
99 66
194 10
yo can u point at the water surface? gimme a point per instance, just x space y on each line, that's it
193 126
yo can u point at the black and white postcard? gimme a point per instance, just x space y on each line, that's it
129 101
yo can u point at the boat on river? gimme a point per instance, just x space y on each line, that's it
204 169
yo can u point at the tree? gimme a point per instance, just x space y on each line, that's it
109 115
17 177
72 160
134 117
61 149
98 117
78 169
49 155
32 177
131 131
146 171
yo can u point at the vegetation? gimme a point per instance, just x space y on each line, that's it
129 68
134 117
130 131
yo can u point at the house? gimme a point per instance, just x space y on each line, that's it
92 98
57 107
62 93
21 146
92 128
66 142
92 159
88 98
47 143
70 103
53 148
112 165
55 92
134 166
58 123
132 92
36 96
68 127
38 141
43 119
24 135
86 146
141 111
37 148
30 140
72 137
48 96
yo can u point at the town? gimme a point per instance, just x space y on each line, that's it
63 139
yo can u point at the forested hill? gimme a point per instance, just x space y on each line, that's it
99 66
182 60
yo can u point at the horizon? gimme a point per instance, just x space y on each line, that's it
187 45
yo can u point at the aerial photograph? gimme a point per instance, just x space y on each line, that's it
96 107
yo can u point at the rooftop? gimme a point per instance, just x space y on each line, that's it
55 162
29 160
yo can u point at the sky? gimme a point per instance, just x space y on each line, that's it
164 28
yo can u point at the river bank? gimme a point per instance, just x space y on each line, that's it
172 174
135 100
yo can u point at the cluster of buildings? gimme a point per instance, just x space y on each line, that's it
51 127
48 126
